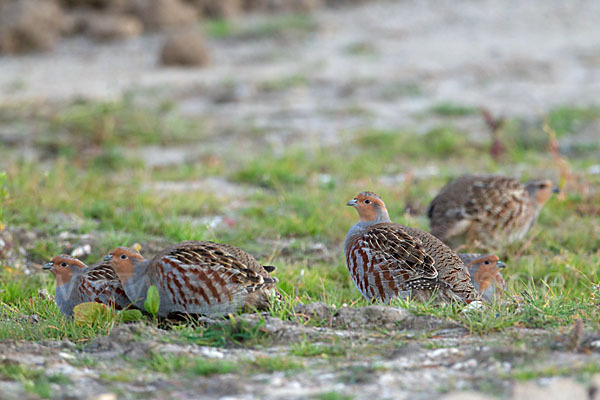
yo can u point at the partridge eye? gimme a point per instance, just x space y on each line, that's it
63 264
486 262
367 201
123 257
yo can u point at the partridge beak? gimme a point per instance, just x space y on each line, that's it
48 266
500 264
352 203
555 189
108 257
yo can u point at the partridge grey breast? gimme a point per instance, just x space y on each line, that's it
196 277
486 209
388 260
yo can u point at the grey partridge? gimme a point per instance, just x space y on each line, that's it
77 283
485 274
388 260
196 277
487 210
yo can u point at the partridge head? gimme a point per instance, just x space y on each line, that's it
485 274
540 190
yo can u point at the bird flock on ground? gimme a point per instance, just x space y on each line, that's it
385 260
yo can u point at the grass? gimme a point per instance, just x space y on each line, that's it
200 366
528 373
284 26
292 216
567 119
448 109
308 349
35 381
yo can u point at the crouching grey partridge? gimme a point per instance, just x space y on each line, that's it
194 277
485 274
388 260
77 283
487 210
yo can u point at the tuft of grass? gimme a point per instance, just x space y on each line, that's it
308 349
529 373
284 83
282 26
567 119
447 109
334 396
213 367
233 332
35 381
274 364
219 28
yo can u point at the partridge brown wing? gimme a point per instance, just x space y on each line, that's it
451 270
204 278
101 284
386 261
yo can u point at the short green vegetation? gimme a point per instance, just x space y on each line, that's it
448 109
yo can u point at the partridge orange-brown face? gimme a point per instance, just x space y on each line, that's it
368 205
485 270
63 267
123 260
542 190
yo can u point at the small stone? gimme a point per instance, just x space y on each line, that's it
103 396
557 388
185 48
29 25
43 294
81 251
66 356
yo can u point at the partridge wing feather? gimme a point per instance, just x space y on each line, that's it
452 272
204 278
101 284
386 260
498 199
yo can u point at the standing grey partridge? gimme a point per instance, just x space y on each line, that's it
196 277
487 210
485 274
77 283
388 260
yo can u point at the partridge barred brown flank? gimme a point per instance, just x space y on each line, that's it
485 274
194 277
388 260
487 209
77 283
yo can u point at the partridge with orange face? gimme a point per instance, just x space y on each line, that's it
194 277
487 210
485 274
388 260
77 283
